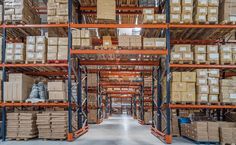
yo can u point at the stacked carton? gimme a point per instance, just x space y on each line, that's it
44 124
52 52
174 125
200 11
213 131
130 41
227 11
81 38
213 54
57 91
187 11
92 103
107 41
146 3
182 53
21 125
36 49
148 15
59 124
213 11
228 90
227 132
159 43
20 11
57 11
15 52
148 117
62 48
207 85
106 9
226 55
183 86
200 54
18 87
159 18
175 11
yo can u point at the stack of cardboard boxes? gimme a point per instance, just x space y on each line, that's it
18 87
213 54
154 43
183 86
81 38
228 90
130 41
21 125
227 132
227 11
175 11
200 54
57 48
36 49
57 11
148 15
226 55
182 54
106 9
44 125
147 3
20 11
15 52
208 85
92 114
57 91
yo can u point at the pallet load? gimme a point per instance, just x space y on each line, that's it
57 11
57 49
57 91
187 11
36 49
148 117
20 11
148 15
62 48
227 90
92 103
81 38
44 125
175 125
175 11
22 126
18 87
52 52
213 131
213 56
227 12
226 56
182 54
129 41
200 54
183 87
106 9
227 133
154 43
15 53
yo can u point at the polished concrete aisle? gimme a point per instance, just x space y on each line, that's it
117 130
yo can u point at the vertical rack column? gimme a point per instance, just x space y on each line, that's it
153 95
159 97
168 136
79 99
70 133
4 35
86 95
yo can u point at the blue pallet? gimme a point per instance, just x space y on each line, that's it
184 120
201 142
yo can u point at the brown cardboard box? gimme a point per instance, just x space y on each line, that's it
188 96
176 96
160 42
148 11
56 86
176 76
176 56
200 18
202 73
202 81
187 56
175 18
213 3
53 41
200 57
212 18
200 49
214 90
148 18
187 3
57 95
202 97
191 87
227 11
160 18
186 18
175 9
175 3
213 98
213 57
203 89
213 131
188 76
225 57
182 48
106 9
213 81
179 86
201 10
201 3
214 73
212 49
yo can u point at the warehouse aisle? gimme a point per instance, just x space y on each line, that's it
117 130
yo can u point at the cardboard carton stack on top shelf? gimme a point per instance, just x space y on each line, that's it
227 11
15 52
18 87
213 11
148 15
57 48
57 11
175 11
183 87
36 49
106 9
187 11
182 54
228 90
57 91
20 11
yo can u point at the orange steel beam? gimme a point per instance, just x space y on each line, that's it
210 26
36 65
120 97
119 73
202 66
160 26
121 92
117 70
35 26
45 73
146 52
127 86
119 8
36 104
180 106
117 62
120 83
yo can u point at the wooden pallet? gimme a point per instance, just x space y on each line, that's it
223 143
56 101
228 22
14 101
181 62
202 103
183 102
56 61
35 62
15 62
22 138
212 62
226 62
200 62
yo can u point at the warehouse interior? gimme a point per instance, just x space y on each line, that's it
137 72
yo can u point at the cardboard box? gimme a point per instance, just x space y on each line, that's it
212 18
160 18
175 9
176 56
187 56
213 3
148 11
202 97
202 81
203 89
227 11
212 49
187 9
63 41
176 76
176 96
200 18
182 48
148 18
199 48
188 77
188 96
52 41
107 41
202 73
212 11
200 57
56 86
175 3
191 87
186 18
106 9
213 57
187 3
201 10
179 86
213 98
214 73
57 95
160 42
214 90
213 81
201 3
175 18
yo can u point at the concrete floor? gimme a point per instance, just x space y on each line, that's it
117 130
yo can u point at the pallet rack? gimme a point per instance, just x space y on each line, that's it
157 72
